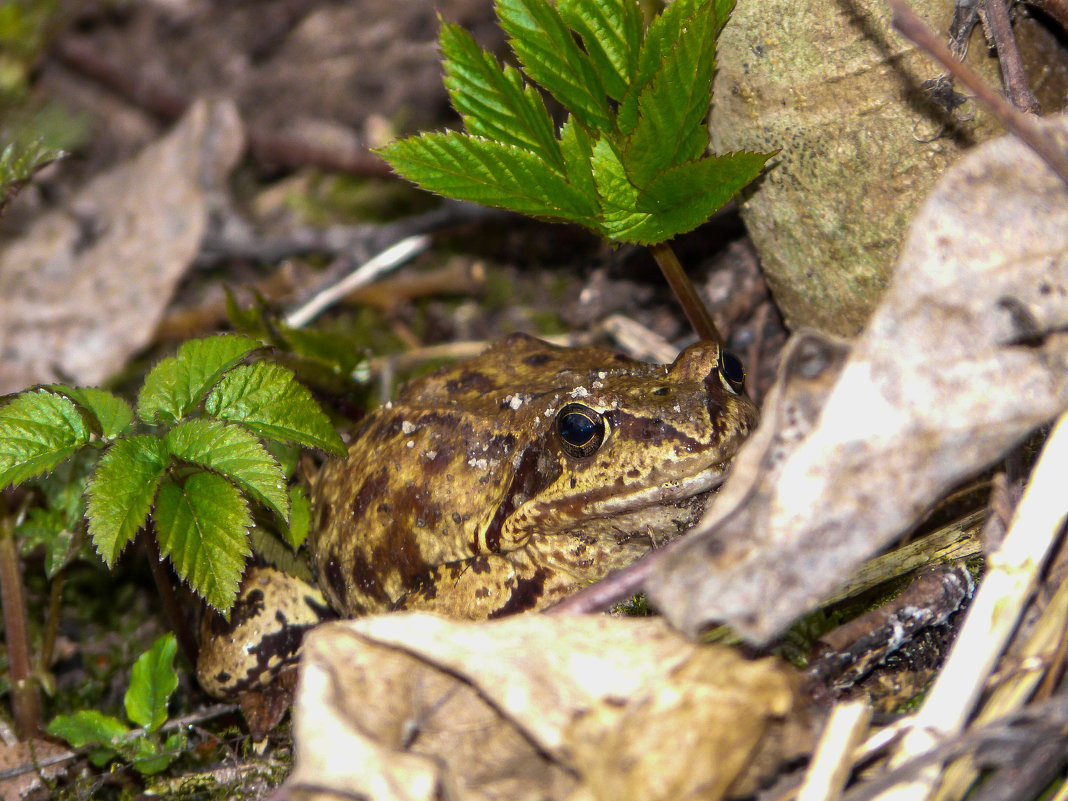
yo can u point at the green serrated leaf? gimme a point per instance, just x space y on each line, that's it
113 415
121 492
299 519
493 101
152 682
87 727
577 149
233 452
50 528
268 399
549 54
673 106
203 527
686 196
38 430
611 34
177 384
620 220
660 38
270 547
481 171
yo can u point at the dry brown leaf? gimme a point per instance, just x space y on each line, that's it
965 356
412 706
85 287
51 760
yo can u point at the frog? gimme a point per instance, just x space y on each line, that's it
501 485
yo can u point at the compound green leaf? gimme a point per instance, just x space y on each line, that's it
577 149
235 453
493 101
673 106
38 430
686 196
152 682
112 414
611 33
299 519
620 219
549 54
268 399
121 493
482 171
660 39
177 384
202 525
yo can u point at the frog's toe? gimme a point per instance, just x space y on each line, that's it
263 636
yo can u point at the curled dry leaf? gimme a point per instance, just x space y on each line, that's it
411 706
85 287
966 355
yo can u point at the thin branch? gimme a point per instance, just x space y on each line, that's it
25 691
171 608
1023 125
995 18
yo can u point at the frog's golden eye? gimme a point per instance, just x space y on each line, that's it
581 430
731 372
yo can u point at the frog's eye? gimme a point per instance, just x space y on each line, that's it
731 372
581 430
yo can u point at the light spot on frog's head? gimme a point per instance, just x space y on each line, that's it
580 392
408 428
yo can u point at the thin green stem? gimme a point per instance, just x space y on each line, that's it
696 311
25 691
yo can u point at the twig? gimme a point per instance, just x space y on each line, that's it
1010 579
25 692
996 21
1023 125
388 259
273 149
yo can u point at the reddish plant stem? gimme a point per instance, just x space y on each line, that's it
996 20
25 692
1023 125
268 147
1056 9
696 310
171 608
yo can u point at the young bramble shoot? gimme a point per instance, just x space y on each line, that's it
152 683
630 162
190 460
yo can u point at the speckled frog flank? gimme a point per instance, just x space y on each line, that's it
503 483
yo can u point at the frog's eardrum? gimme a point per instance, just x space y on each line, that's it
966 355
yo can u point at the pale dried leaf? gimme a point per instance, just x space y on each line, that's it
35 762
965 356
85 287
412 706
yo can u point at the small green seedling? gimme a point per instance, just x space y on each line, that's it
629 162
151 684
189 459
19 163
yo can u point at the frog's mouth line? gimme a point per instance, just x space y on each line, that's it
656 495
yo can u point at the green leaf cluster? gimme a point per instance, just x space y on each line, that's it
629 162
190 457
152 683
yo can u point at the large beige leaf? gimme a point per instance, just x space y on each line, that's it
965 356
412 706
86 286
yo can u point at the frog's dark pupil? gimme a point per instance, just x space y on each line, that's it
581 429
730 366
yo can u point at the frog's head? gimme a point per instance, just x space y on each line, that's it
625 442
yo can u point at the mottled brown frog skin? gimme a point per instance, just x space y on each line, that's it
495 486
464 496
